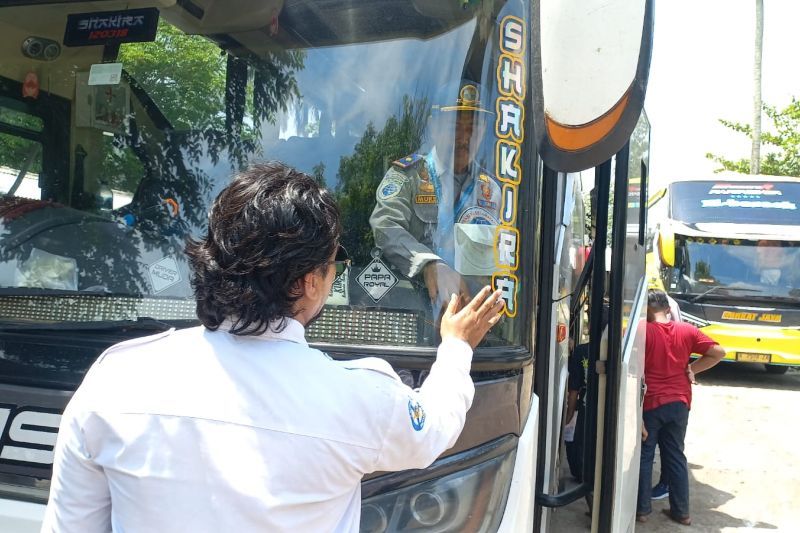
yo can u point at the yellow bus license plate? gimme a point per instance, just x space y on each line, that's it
753 357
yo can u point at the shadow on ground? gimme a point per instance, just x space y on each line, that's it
751 375
704 501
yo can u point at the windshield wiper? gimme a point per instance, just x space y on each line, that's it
713 289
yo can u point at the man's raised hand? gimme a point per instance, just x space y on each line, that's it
471 322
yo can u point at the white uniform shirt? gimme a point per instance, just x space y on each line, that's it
194 430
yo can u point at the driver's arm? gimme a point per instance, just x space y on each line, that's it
392 225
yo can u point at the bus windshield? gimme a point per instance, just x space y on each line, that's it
732 268
112 153
739 202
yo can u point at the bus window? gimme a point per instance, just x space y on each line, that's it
20 151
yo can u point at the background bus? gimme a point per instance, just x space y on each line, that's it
728 251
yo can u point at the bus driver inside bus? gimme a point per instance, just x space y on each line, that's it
437 208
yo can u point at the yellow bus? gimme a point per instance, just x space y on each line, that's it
728 251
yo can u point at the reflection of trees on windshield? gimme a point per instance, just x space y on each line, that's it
17 152
702 272
200 106
361 173
214 103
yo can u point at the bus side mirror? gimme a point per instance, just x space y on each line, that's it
666 247
591 65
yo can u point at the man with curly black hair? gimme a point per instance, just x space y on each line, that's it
239 425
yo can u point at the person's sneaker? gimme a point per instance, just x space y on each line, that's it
660 491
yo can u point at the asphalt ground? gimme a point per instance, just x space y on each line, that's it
743 449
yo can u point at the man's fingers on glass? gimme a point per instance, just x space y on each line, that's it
476 302
488 303
453 305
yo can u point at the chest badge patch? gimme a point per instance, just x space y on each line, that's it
417 414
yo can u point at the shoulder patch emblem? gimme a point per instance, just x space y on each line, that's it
408 161
417 414
389 189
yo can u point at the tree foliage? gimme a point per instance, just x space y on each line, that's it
215 103
17 152
784 157
361 173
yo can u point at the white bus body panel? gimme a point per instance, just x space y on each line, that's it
21 517
629 424
518 514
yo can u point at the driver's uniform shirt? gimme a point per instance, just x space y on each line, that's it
199 430
411 223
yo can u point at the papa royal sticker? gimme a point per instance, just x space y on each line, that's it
376 279
417 414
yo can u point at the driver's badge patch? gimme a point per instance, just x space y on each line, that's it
417 414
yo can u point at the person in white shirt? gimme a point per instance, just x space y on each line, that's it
238 425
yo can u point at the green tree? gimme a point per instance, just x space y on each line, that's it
784 159
16 152
215 102
361 173
183 74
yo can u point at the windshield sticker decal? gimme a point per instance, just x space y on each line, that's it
417 415
105 74
508 285
746 190
757 204
511 76
164 274
509 211
376 279
507 250
747 195
339 293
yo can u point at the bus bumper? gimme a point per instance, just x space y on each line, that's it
757 344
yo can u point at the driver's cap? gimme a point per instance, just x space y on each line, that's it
469 99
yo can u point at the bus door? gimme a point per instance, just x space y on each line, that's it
621 380
568 261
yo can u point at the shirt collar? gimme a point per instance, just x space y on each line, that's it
292 332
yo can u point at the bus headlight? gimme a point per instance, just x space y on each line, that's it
472 499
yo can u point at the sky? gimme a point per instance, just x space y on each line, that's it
702 70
